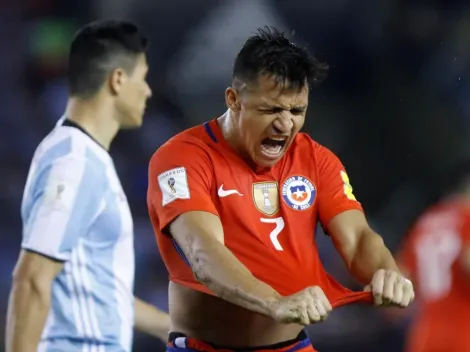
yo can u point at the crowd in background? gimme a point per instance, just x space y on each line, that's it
394 108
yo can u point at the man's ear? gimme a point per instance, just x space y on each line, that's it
232 99
116 81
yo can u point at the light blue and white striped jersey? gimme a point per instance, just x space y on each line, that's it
74 210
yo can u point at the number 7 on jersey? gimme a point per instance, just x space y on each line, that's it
277 230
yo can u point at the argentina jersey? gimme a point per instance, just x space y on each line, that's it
74 210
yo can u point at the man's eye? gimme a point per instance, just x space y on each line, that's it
272 111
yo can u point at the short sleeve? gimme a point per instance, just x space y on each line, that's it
61 199
335 193
180 179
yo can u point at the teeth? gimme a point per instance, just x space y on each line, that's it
274 151
274 138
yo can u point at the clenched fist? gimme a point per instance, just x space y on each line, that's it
306 307
391 289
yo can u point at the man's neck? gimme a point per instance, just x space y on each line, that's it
95 117
232 136
229 131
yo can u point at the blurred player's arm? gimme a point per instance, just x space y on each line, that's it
180 180
29 301
151 320
405 256
465 259
361 248
48 242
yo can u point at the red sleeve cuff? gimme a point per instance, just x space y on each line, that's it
170 212
341 208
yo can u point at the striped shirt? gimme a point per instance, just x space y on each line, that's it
74 210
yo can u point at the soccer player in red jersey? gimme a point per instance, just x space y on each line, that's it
235 203
436 254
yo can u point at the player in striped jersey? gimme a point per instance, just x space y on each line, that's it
73 283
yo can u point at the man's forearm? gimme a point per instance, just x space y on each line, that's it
219 269
27 313
371 255
150 320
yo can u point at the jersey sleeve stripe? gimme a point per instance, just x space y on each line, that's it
83 209
180 252
39 175
62 199
49 230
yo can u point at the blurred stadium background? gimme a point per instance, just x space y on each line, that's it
395 108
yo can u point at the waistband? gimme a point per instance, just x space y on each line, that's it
180 340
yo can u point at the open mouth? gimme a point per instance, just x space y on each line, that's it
272 147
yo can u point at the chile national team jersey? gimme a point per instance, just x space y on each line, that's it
431 254
269 216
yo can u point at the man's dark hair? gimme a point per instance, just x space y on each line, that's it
272 53
97 49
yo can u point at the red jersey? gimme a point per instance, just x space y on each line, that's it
269 216
431 255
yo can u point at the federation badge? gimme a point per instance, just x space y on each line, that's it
266 197
299 192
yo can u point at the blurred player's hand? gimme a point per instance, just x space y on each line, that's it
391 289
306 307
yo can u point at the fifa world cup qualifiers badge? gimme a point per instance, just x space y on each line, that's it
174 185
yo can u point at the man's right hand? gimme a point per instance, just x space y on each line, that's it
201 237
306 307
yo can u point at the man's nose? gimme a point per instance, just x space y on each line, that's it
149 92
283 124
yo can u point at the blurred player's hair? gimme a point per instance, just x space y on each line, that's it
99 48
271 52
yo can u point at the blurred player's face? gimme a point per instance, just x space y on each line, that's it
267 118
132 94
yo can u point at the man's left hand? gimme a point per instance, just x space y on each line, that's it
390 288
